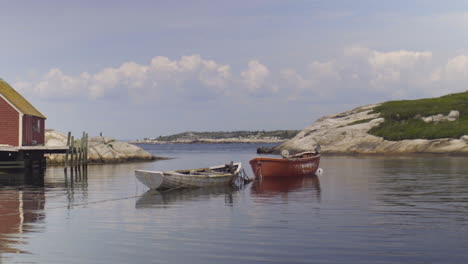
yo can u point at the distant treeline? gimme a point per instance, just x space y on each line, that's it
190 135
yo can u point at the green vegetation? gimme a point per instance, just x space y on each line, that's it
281 134
401 122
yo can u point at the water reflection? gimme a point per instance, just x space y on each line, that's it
20 178
22 203
164 199
73 182
272 186
19 208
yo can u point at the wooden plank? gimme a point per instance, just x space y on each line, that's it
5 148
12 164
12 167
43 148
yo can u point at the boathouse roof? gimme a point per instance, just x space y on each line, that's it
17 100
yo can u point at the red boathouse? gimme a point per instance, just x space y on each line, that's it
21 124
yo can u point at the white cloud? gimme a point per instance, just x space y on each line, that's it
456 69
398 68
398 59
255 77
59 84
188 76
296 80
358 70
323 69
134 78
362 70
451 77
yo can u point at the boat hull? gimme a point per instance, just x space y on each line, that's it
271 167
180 179
152 179
175 180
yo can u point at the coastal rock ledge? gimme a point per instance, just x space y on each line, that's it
347 133
101 150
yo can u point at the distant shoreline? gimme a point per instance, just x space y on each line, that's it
209 141
222 137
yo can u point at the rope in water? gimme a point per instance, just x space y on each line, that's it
240 181
89 203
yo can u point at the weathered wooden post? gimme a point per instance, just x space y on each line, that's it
66 177
28 165
68 151
83 139
86 149
78 154
78 173
76 158
77 149
72 152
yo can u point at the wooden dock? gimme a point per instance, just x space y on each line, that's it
45 149
31 158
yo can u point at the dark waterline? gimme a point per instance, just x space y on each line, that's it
361 210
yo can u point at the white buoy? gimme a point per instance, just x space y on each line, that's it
319 171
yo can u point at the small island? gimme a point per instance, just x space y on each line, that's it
190 137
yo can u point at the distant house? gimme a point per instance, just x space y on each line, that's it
21 124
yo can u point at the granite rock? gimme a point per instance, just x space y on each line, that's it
101 150
347 133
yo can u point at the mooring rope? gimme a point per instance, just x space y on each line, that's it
242 179
90 203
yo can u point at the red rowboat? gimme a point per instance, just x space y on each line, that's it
302 164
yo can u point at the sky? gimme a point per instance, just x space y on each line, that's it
136 69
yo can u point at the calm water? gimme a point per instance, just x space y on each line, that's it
361 210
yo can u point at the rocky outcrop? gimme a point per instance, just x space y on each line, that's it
452 116
346 133
101 150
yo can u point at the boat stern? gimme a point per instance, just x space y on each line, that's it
151 179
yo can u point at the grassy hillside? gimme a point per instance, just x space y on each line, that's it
400 122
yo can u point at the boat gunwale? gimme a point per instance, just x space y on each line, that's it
214 175
285 160
169 173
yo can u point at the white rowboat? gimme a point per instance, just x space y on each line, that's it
212 176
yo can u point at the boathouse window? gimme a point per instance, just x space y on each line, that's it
36 126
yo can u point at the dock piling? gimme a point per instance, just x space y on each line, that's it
77 154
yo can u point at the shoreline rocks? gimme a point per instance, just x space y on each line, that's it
101 150
346 133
